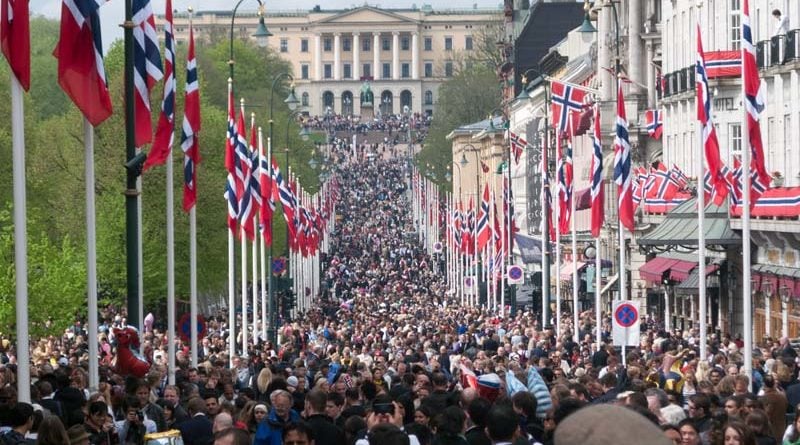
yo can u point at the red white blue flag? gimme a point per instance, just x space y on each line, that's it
723 64
191 127
518 145
598 212
15 39
565 99
754 103
81 72
483 228
622 164
654 124
165 130
146 67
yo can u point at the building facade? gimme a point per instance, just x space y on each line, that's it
405 54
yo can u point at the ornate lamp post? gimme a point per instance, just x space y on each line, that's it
786 295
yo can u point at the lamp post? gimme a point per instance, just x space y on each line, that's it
546 297
386 101
261 33
292 102
766 288
786 295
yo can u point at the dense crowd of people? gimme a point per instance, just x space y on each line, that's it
386 357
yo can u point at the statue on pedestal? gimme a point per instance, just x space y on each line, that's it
367 103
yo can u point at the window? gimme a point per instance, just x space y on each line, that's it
468 43
366 44
387 44
448 69
304 100
304 45
346 44
284 45
448 43
736 24
348 72
404 43
387 71
366 70
428 69
328 71
327 44
304 71
405 70
429 97
735 137
428 42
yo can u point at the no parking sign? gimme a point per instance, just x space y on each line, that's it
625 321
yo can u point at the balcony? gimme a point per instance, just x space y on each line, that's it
778 50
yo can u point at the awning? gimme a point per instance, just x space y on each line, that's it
680 227
689 286
654 269
566 270
780 277
680 271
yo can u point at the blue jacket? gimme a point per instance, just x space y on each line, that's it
270 430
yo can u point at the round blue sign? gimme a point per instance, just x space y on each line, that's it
278 266
515 272
626 315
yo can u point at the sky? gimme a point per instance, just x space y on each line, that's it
113 12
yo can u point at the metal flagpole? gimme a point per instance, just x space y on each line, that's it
170 270
557 225
140 253
575 315
231 304
262 251
268 319
243 252
91 251
747 297
597 287
701 210
254 268
21 242
193 280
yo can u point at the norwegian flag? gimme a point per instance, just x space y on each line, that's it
565 187
485 167
723 64
146 67
508 210
710 192
232 164
468 229
244 193
457 226
598 212
757 188
267 200
287 198
710 142
661 185
253 189
15 39
547 218
191 127
81 73
754 103
639 179
483 219
564 100
679 177
165 130
518 145
622 164
653 123
498 242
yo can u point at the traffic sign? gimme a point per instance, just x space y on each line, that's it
185 327
437 247
625 324
278 266
515 274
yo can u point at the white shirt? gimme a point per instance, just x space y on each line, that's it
782 28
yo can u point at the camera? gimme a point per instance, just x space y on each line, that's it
383 408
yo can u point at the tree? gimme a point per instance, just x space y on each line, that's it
465 98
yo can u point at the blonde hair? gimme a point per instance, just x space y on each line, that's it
264 379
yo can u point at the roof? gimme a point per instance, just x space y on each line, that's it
548 24
476 127
680 227
689 286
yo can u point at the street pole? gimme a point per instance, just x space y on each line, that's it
545 215
131 194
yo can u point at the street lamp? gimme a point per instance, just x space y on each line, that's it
586 26
766 288
786 295
261 33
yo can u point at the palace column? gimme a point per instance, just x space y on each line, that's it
317 56
356 70
395 55
376 55
337 56
415 55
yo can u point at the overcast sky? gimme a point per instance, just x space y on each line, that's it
113 12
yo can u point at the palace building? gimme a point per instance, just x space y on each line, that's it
404 54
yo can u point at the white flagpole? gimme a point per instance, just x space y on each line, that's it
544 226
21 243
170 270
243 254
575 315
556 220
262 251
598 263
254 267
701 235
231 304
193 281
747 297
91 252
140 258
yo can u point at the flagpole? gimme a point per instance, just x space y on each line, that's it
575 317
254 250
231 303
170 270
262 251
556 223
21 241
139 254
91 248
270 333
701 210
598 315
193 282
747 297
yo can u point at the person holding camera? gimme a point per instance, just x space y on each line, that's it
133 428
385 416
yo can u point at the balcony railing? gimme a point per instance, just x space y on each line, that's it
778 50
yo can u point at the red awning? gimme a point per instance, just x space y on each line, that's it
681 270
654 269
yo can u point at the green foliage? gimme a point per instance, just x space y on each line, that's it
467 97
55 174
